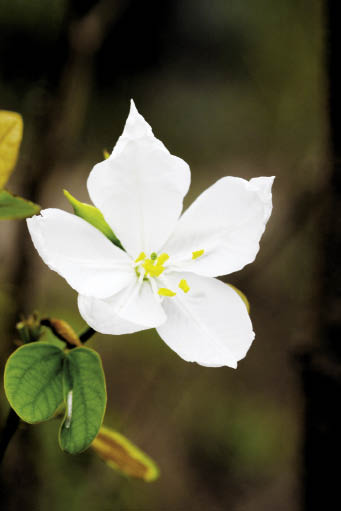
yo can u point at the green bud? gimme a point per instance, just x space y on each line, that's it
29 328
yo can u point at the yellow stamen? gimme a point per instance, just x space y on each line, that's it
184 286
106 154
162 259
197 253
151 269
141 257
153 266
163 291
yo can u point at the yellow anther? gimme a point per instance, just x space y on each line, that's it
184 286
148 265
163 291
162 259
141 257
153 266
152 270
106 154
197 253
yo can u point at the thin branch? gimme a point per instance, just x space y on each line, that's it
8 432
87 334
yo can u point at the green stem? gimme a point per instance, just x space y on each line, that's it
11 426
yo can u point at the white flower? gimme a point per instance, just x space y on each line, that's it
165 278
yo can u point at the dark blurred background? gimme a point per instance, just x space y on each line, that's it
233 88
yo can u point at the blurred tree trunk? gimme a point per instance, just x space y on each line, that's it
57 121
322 365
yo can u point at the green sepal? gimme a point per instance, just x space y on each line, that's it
12 206
93 216
34 381
85 399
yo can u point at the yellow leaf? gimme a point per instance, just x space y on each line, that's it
122 455
242 296
11 130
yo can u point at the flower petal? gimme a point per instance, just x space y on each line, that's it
102 317
81 254
134 308
136 128
140 188
226 222
263 186
209 324
139 304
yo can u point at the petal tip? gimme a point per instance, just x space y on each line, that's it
270 181
136 126
33 225
263 183
133 109
263 187
36 219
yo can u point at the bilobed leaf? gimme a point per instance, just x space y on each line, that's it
85 399
12 207
11 129
93 216
34 381
121 454
242 296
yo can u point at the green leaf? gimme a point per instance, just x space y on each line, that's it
121 454
85 399
93 216
12 206
11 129
34 381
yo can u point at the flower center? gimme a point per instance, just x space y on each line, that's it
153 266
149 268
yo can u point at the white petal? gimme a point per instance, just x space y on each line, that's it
134 308
263 185
139 304
102 317
140 188
135 128
226 221
80 253
209 324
